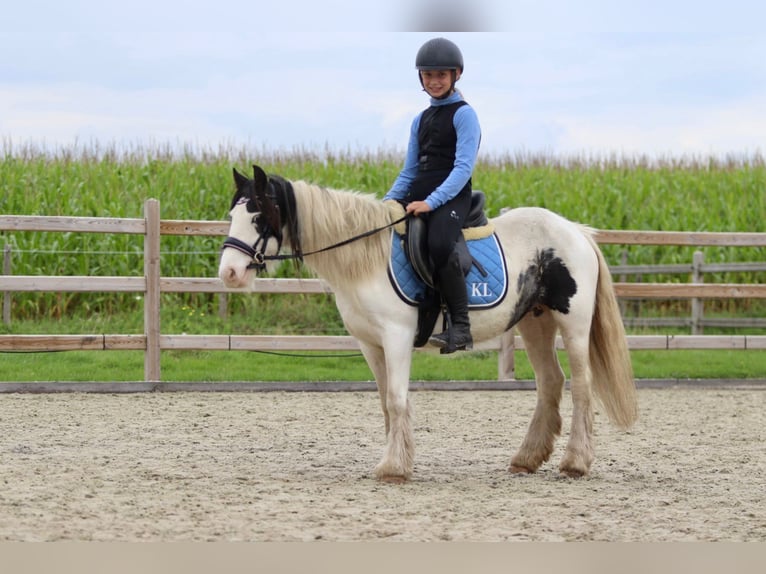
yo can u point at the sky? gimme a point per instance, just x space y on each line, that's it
581 78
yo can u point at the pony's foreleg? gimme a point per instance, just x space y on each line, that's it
376 360
398 458
539 335
579 452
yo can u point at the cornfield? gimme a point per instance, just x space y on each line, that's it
686 194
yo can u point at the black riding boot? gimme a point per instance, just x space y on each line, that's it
457 336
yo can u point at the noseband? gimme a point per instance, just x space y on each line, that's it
254 253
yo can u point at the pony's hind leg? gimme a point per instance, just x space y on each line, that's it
539 334
579 455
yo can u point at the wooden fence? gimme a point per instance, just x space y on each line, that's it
697 268
152 284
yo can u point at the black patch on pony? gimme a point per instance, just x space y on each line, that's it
546 282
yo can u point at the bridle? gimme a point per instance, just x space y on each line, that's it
257 254
259 258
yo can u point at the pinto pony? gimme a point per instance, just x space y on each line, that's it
559 283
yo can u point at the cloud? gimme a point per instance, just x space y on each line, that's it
665 131
564 77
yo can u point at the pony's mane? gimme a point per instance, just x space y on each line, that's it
328 216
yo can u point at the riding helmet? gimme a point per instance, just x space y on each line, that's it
439 54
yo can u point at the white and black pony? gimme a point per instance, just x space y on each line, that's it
558 283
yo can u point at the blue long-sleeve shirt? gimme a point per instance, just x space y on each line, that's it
468 131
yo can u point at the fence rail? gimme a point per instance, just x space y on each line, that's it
690 238
152 284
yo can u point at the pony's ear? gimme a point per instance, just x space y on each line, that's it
261 179
266 205
261 182
239 179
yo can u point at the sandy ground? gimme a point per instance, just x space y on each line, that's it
298 466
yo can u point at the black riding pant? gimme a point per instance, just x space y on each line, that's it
445 225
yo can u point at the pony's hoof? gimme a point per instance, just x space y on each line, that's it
573 472
392 479
515 469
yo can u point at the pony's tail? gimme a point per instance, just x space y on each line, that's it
611 369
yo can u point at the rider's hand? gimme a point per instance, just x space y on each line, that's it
418 207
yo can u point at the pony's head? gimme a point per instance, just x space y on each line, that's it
262 212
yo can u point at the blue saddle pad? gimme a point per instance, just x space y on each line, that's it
484 292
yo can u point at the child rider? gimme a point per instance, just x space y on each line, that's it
435 182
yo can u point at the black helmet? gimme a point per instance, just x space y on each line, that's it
439 54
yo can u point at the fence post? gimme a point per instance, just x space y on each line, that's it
223 305
697 303
506 364
152 293
7 294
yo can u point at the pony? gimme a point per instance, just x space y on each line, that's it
559 284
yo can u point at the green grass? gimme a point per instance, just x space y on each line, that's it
209 366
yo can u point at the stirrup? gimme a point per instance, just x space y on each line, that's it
447 343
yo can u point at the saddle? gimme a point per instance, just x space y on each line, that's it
416 245
411 269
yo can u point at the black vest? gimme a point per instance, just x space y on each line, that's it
437 138
437 142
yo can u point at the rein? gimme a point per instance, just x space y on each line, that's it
259 258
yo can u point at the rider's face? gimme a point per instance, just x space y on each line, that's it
438 82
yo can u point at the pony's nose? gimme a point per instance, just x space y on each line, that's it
230 277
